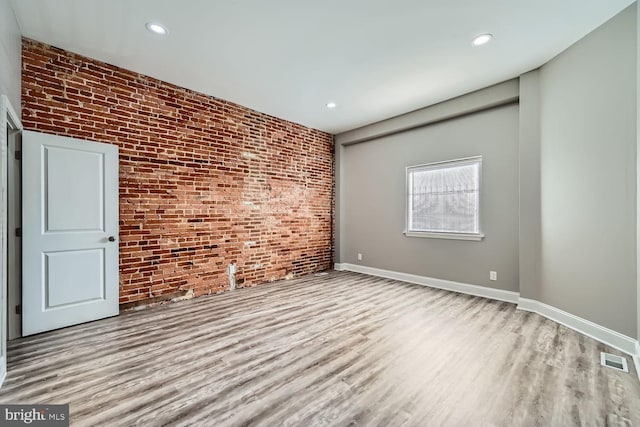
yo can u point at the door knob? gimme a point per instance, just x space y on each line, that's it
112 239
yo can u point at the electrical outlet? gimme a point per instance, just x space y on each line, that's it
493 275
359 257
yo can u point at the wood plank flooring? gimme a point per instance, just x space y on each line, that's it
342 349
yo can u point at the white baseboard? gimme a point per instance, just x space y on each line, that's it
463 288
599 333
339 267
606 336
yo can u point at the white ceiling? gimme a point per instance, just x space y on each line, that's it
288 58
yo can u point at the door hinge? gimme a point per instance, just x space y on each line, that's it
18 155
18 309
18 232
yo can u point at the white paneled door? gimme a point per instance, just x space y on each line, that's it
70 231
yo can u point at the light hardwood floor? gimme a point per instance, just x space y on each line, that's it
342 349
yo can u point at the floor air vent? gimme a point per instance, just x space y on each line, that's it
322 273
612 361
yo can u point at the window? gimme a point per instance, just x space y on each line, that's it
443 199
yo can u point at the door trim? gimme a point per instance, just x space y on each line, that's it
9 120
14 240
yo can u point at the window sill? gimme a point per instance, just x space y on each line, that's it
451 236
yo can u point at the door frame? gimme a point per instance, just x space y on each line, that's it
9 121
14 225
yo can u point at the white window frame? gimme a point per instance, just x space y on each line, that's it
444 235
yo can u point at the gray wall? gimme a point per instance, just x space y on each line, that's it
373 189
560 185
529 169
588 177
10 55
638 167
339 215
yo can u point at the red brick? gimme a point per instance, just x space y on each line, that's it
184 182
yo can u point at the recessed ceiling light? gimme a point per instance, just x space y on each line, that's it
156 28
331 105
482 39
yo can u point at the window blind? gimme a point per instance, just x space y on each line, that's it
444 197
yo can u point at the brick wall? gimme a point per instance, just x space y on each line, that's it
203 182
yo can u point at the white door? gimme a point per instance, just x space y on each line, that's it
69 231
